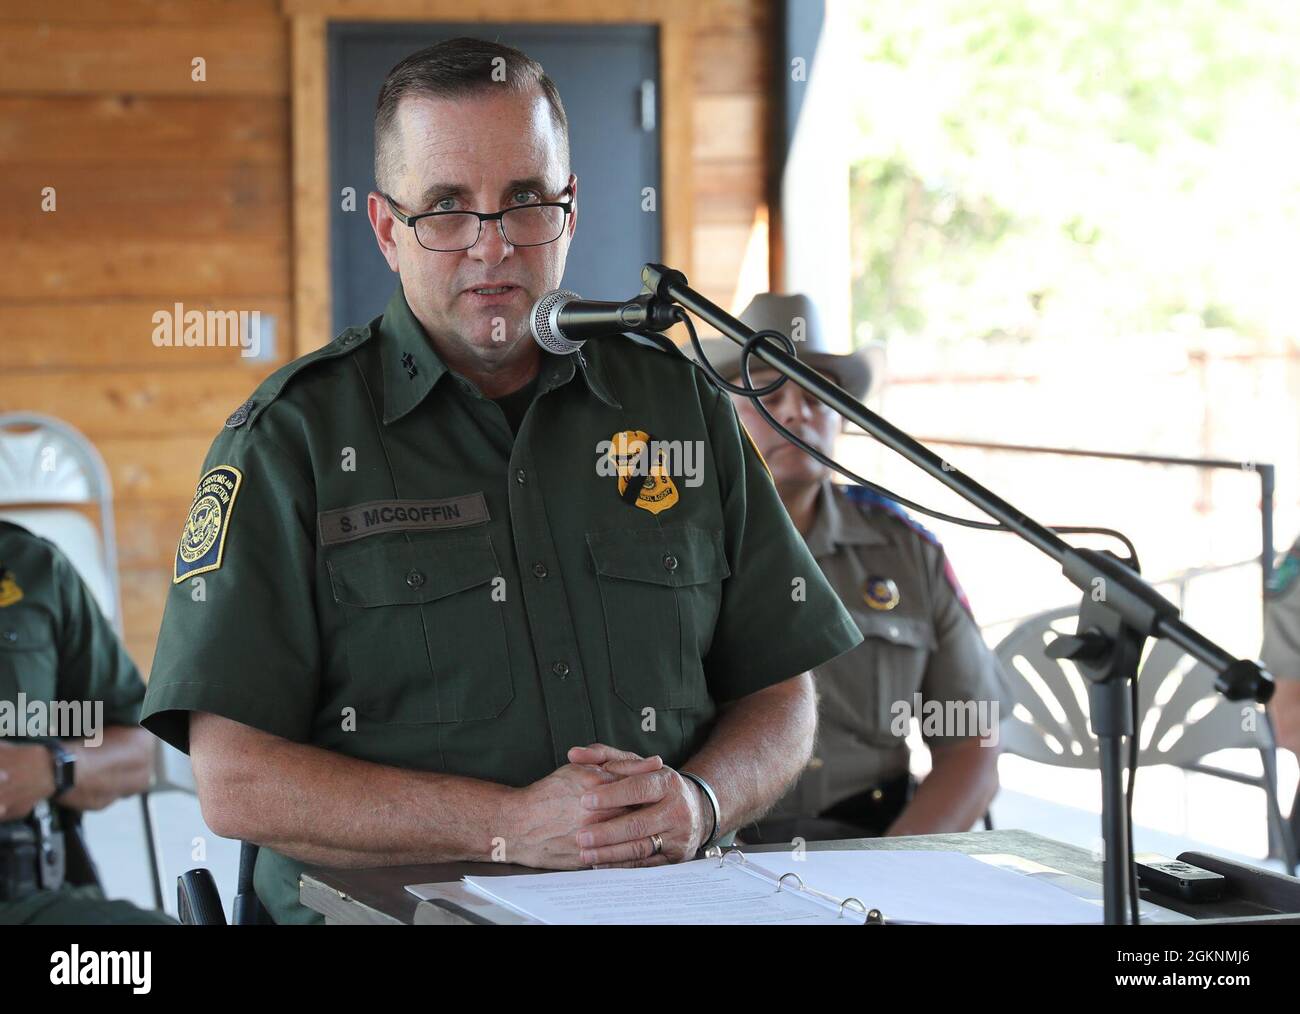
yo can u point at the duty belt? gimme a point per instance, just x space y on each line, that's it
33 855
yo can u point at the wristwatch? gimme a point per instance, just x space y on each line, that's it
65 765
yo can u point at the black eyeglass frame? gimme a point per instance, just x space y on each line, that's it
483 216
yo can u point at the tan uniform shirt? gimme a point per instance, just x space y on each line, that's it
918 638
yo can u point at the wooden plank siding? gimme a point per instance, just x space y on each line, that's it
171 190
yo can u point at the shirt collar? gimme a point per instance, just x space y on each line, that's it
412 366
838 524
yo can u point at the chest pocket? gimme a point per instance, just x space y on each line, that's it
29 656
425 630
660 591
887 668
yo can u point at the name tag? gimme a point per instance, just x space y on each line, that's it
377 516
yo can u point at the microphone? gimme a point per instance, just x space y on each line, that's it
562 322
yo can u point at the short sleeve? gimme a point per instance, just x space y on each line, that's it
962 667
239 635
93 665
779 616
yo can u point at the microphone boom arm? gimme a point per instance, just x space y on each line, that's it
1120 610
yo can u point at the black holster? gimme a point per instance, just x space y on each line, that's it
33 856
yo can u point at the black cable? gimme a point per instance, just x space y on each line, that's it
748 390
755 393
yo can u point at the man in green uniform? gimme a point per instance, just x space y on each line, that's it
922 654
1281 650
436 598
69 701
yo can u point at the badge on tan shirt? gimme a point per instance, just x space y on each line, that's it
880 593
630 453
9 590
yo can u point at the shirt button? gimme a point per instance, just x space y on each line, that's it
539 569
670 562
877 795
561 669
893 631
815 764
521 477
414 579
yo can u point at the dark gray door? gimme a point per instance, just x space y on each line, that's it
608 78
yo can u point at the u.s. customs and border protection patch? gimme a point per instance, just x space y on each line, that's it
204 538
630 452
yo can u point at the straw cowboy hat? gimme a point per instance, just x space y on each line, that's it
794 316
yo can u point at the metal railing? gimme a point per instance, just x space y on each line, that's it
1265 472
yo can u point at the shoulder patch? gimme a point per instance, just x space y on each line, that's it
203 540
1284 575
867 499
272 387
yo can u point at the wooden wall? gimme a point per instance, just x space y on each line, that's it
170 190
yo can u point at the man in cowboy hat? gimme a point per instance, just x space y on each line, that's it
922 653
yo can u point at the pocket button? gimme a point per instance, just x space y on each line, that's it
414 578
670 562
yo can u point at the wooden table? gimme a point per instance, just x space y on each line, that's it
379 896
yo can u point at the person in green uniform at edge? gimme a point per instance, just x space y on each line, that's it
69 703
919 637
436 601
1281 648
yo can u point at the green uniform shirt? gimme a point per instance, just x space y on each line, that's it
390 573
58 649
919 638
55 644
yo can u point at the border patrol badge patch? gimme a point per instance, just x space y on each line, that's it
9 590
880 593
630 454
204 538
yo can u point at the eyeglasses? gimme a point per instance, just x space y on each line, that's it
522 225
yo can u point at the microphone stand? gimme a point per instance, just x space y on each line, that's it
1119 610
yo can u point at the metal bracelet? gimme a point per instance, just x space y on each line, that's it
713 802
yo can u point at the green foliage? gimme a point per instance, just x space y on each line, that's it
1062 169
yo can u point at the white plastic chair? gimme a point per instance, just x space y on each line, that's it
1182 717
48 469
